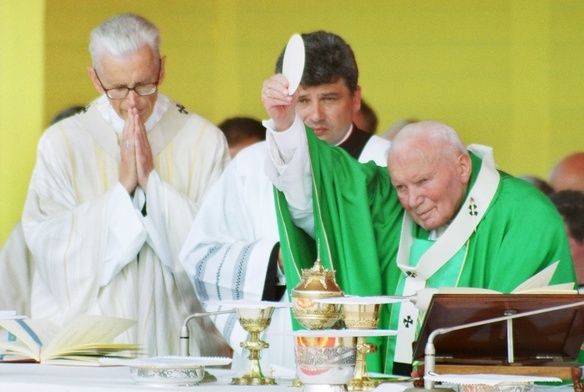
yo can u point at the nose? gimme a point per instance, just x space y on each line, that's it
414 197
132 97
315 112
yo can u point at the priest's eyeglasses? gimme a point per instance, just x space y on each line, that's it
122 92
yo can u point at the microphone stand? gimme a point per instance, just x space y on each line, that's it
184 331
430 349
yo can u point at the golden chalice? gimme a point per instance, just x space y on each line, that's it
254 317
362 316
254 320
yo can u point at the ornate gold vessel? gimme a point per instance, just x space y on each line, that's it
254 321
362 316
316 282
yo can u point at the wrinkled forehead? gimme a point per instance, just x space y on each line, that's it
414 148
407 159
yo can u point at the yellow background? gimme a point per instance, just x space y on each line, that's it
506 73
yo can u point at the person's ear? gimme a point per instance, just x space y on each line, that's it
162 73
357 99
93 76
464 165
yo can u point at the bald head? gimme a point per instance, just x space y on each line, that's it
568 174
439 138
430 169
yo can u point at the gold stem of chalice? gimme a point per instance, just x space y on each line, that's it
361 380
254 321
362 316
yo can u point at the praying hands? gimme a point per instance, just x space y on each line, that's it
136 154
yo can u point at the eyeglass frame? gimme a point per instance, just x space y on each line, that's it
128 89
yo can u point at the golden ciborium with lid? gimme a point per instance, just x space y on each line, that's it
316 283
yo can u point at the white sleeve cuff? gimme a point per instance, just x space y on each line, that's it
280 275
126 234
154 221
288 168
282 145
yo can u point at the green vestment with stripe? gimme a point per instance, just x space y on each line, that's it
358 220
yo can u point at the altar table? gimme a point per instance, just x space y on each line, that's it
31 377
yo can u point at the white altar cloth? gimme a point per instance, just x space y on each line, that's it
31 377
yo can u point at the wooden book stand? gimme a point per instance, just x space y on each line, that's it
544 344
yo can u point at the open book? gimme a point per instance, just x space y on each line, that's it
81 342
537 284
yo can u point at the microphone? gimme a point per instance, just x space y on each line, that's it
184 331
430 350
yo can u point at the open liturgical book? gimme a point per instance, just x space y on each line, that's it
537 284
81 342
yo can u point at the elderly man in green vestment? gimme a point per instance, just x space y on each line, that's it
444 216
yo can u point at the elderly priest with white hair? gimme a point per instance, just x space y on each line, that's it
114 192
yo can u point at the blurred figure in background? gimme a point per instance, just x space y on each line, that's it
540 184
67 112
16 261
17 266
568 173
397 126
242 132
365 118
570 204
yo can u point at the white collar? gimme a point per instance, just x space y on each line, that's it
347 135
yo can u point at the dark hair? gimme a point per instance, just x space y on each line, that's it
570 204
328 58
540 184
237 129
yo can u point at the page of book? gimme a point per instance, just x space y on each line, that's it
87 337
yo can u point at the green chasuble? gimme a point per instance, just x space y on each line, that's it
358 221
